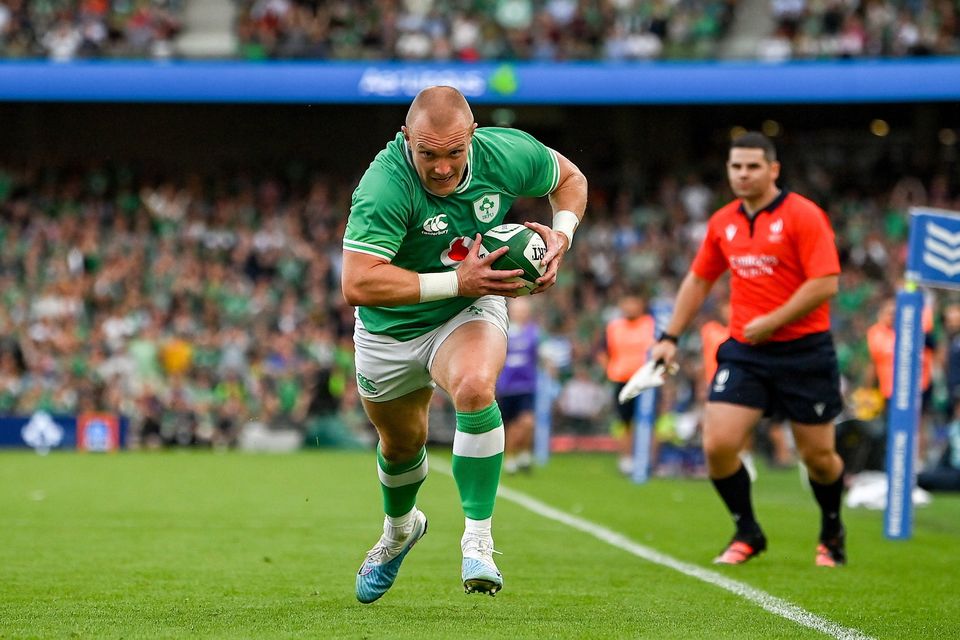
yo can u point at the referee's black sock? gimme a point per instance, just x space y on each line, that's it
735 491
828 497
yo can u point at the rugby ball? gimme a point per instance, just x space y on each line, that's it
526 250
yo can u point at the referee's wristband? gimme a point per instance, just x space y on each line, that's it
566 222
669 337
438 286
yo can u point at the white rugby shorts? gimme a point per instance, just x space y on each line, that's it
388 368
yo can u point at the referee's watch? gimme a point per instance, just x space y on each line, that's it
669 337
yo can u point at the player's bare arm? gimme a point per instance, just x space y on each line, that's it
570 196
810 295
693 291
370 281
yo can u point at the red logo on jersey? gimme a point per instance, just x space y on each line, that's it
457 250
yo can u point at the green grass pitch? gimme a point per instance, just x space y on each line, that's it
188 545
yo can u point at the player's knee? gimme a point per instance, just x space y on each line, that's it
819 461
473 392
717 445
721 457
397 451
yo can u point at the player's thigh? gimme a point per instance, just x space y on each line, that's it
469 351
726 427
470 360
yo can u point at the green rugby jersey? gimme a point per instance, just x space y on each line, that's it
393 217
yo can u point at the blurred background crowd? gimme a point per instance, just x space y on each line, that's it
197 303
473 30
200 296
64 30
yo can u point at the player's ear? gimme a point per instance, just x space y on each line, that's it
406 133
775 169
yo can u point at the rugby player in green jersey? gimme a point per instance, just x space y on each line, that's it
431 309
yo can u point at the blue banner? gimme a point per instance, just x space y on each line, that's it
46 432
651 83
41 431
903 415
933 257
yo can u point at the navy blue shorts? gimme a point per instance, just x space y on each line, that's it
513 405
797 379
627 410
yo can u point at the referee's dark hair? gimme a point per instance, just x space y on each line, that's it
756 140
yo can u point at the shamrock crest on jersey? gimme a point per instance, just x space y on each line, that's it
487 207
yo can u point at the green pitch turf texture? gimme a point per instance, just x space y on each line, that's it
190 545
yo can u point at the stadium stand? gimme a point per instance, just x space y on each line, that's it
474 30
193 303
818 29
64 30
471 30
614 30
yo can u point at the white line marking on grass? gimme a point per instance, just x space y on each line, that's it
771 603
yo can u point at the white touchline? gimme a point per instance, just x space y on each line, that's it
773 604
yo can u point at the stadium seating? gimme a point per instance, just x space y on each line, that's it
472 30
192 304
64 30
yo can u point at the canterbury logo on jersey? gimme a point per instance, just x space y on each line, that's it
435 226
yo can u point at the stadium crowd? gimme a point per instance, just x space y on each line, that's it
471 30
64 30
828 29
612 30
195 304
474 30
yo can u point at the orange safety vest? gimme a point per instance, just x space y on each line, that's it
712 335
627 344
880 342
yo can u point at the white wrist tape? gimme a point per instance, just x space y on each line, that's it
566 222
438 286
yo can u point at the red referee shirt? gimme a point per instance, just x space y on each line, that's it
788 242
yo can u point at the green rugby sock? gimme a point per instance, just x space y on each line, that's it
400 482
477 458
